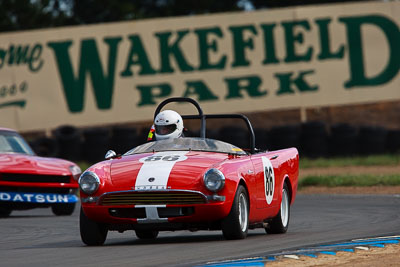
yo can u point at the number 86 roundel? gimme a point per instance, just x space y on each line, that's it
269 179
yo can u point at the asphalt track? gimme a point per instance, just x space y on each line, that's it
38 238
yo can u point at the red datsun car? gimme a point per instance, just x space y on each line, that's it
28 181
189 183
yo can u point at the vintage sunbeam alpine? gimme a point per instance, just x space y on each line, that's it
28 181
189 183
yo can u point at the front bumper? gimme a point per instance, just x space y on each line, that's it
24 195
37 198
160 208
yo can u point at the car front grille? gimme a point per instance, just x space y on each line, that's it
153 198
34 178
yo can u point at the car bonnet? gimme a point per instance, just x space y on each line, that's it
13 162
163 170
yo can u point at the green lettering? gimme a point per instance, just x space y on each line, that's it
325 42
3 91
23 55
2 57
286 81
200 89
149 92
205 46
269 41
356 59
137 55
17 55
74 88
240 44
174 50
250 84
291 39
35 58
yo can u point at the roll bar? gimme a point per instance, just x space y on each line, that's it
203 117
190 100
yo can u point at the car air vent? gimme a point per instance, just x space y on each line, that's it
153 198
34 178
168 212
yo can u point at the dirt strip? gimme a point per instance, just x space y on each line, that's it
388 256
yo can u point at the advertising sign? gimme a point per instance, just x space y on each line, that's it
231 62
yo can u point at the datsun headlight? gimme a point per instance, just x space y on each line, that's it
214 180
89 182
75 171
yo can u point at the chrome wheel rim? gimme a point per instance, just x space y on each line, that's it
285 208
243 213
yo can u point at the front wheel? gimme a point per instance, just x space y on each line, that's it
92 233
63 209
236 224
280 223
5 212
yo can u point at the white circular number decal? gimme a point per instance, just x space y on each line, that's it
157 158
269 179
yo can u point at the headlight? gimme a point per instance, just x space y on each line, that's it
75 171
89 182
214 180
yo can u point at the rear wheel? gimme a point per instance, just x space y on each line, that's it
146 234
280 222
5 212
92 233
236 224
63 209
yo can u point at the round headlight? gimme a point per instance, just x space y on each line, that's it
214 180
89 182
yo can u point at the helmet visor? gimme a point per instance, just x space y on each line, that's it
165 129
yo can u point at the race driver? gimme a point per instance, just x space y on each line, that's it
168 124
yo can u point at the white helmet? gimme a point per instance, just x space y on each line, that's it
168 124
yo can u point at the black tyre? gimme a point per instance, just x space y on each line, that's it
314 139
236 224
284 136
92 233
124 138
5 212
261 139
372 140
45 147
69 142
280 223
393 141
96 143
343 140
63 209
235 135
146 234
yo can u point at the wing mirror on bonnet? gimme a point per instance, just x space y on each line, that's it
111 155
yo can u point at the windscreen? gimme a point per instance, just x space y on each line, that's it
187 143
11 142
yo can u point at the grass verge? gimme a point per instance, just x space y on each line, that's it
373 160
350 180
84 165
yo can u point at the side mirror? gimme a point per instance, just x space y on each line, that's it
110 154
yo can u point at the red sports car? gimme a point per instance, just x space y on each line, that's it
28 181
189 183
